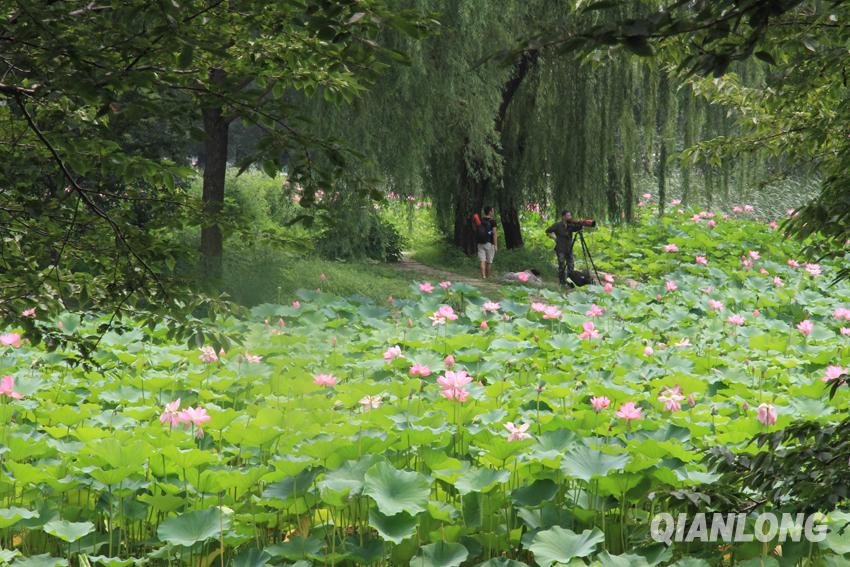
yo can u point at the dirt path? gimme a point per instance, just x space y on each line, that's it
420 271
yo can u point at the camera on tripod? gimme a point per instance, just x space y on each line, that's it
590 223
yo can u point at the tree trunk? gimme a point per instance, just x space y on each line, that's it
468 201
216 127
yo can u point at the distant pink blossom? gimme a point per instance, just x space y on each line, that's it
324 380
735 320
715 305
790 212
599 403
764 272
841 313
392 352
833 373
10 339
672 399
748 208
686 342
29 313
296 304
646 196
845 331
491 307
426 287
517 433
608 278
7 388
754 254
208 354
773 225
806 327
813 269
590 331
446 284
449 361
538 307
737 209
629 411
594 311
420 370
711 224
756 313
443 314
453 385
671 286
641 204
701 260
253 358
608 287
746 262
777 281
195 417
648 351
766 414
170 414
551 312
671 248
793 263
484 325
675 202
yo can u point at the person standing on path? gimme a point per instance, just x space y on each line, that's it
488 242
562 233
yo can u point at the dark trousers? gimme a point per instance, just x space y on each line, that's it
566 264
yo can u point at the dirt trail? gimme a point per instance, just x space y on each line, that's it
420 271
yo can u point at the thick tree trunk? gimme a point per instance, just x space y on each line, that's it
510 232
216 127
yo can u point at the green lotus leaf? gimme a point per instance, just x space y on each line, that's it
395 528
11 516
193 527
68 531
560 545
396 491
585 463
440 554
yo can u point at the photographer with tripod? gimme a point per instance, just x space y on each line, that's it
562 233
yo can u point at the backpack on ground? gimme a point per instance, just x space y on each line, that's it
580 278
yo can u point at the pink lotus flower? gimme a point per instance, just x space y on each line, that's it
641 204
195 417
629 411
538 307
777 281
754 254
735 320
420 370
11 339
522 276
701 260
790 212
715 305
392 352
675 202
766 414
711 224
281 322
29 313
793 263
813 269
443 314
756 313
608 287
672 399
370 402
648 351
589 332
484 325
746 262
446 284
449 361
764 272
594 311
453 384
7 388
737 209
517 433
426 287
773 225
805 326
670 248
491 307
646 196
208 354
255 359
833 373
696 218
551 312
686 342
296 304
328 380
842 313
170 414
599 403
671 286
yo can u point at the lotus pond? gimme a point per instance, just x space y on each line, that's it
446 430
